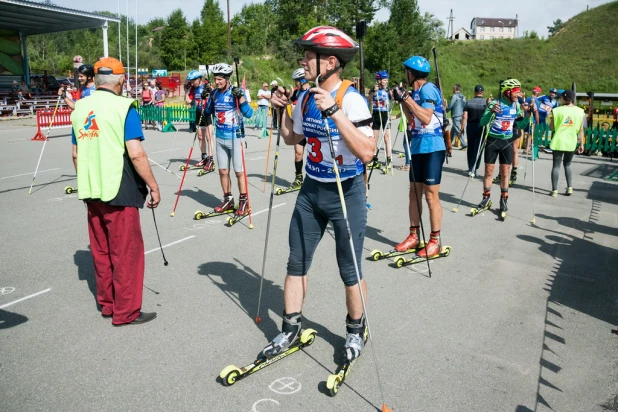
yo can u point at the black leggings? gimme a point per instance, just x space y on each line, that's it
565 158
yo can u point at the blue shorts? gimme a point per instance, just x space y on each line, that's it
316 205
427 167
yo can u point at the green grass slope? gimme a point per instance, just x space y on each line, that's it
585 51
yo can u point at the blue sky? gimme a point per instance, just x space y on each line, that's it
533 14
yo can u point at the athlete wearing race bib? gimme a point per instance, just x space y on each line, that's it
380 99
500 116
224 103
546 104
196 98
302 85
327 50
424 109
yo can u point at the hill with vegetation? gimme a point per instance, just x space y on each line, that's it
584 51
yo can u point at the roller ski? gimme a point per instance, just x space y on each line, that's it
483 206
357 335
388 168
68 190
374 164
294 187
410 245
433 250
241 212
231 374
504 207
224 208
195 166
209 167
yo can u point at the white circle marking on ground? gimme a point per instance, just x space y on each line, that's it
285 386
254 409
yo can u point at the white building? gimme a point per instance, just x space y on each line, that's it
461 34
484 28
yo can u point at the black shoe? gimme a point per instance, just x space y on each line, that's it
142 318
107 315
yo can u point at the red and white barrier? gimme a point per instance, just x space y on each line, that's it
45 118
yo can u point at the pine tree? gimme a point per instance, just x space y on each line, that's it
172 39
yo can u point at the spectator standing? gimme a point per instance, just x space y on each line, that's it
274 86
85 78
263 96
456 107
567 124
159 98
472 129
113 173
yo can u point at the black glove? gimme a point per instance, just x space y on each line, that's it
446 123
399 94
63 95
237 92
206 92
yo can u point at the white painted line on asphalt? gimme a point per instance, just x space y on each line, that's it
24 298
169 244
26 174
257 158
266 210
166 150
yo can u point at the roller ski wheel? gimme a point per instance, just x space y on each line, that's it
502 215
374 165
379 255
68 190
335 380
232 373
205 172
199 215
475 210
401 262
237 218
504 207
402 155
387 169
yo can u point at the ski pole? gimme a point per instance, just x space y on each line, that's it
270 137
347 223
241 131
44 143
169 156
476 159
182 181
418 202
161 166
379 146
258 319
165 262
533 221
447 141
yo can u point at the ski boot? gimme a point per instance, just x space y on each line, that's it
291 340
388 168
513 178
484 205
433 250
504 206
198 165
209 167
374 164
357 335
290 332
496 179
410 245
293 187
224 208
243 210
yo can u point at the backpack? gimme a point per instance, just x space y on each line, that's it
345 85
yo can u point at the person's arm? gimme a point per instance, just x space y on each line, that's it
421 113
142 167
492 108
451 104
290 137
67 98
359 144
551 124
580 140
464 121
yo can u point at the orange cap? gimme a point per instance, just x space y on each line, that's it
109 62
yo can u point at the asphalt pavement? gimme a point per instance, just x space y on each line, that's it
517 318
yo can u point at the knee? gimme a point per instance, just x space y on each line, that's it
432 198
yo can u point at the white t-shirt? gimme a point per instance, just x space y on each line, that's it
262 101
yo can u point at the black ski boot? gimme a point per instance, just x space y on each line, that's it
290 332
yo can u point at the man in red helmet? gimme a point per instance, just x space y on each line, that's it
327 50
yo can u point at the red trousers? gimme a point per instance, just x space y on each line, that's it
118 253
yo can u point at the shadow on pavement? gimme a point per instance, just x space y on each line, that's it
85 270
241 284
10 319
583 279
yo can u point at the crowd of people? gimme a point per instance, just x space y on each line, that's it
337 127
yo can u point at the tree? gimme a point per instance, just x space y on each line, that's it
530 34
212 37
172 38
344 14
558 24
251 28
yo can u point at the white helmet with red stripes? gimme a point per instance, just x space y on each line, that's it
329 41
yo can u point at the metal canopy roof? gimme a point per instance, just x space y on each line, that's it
36 18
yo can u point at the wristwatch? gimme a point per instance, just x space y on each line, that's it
331 110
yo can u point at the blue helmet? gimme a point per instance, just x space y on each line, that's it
560 91
553 90
194 74
417 64
382 75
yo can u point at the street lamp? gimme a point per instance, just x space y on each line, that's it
500 21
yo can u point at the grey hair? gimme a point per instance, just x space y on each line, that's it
108 79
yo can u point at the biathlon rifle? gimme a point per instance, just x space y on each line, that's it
445 135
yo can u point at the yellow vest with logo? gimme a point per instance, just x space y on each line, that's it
98 125
567 122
